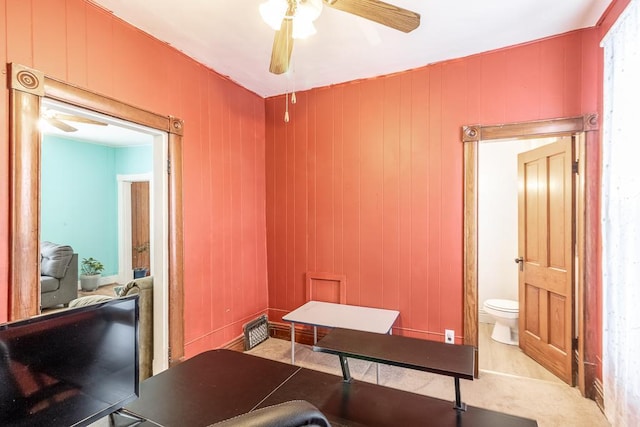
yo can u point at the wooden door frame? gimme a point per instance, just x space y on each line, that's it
27 87
472 136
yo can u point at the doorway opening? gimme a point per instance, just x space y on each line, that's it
580 129
119 154
498 186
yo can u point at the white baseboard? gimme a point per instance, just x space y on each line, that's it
108 280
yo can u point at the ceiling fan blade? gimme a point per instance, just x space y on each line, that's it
282 47
60 125
72 118
380 12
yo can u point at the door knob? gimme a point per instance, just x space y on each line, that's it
520 261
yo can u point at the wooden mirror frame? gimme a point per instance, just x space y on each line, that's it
27 88
472 135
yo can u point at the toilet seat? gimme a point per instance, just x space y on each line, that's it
504 305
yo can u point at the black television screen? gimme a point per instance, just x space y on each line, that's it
71 367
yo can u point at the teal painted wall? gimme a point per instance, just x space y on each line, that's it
134 160
79 195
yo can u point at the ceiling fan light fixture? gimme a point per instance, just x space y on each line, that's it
273 12
308 10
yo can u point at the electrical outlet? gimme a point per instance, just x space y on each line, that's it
449 336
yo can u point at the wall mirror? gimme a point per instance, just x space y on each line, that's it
28 88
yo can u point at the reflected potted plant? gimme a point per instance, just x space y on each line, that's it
90 269
139 272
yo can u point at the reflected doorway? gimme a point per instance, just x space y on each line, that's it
117 149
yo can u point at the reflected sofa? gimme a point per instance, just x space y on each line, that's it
58 274
144 288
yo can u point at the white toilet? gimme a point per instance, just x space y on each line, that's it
505 314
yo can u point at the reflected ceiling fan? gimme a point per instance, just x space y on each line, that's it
58 120
294 19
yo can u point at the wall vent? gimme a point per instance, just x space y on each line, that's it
255 332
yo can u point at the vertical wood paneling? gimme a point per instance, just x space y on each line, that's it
552 71
572 76
50 37
351 204
455 86
280 254
358 179
312 141
225 271
371 173
195 223
338 180
19 27
420 180
325 173
493 89
435 232
216 175
270 204
127 58
389 184
76 72
290 208
405 274
100 52
523 74
391 194
300 214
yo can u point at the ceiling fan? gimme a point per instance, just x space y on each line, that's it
58 120
289 17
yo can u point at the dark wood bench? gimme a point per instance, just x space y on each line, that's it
457 361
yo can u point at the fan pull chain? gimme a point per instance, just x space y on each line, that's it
286 108
293 74
286 111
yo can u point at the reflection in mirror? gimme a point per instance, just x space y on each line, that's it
88 166
28 87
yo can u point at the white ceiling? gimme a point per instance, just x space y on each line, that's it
231 38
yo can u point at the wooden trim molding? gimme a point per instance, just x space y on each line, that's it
304 334
176 248
27 88
526 130
471 246
598 394
316 278
472 136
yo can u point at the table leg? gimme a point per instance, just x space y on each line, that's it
293 343
344 364
459 406
315 335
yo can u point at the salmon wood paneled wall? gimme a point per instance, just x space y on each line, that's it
366 178
223 153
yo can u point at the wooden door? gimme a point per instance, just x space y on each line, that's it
545 245
140 242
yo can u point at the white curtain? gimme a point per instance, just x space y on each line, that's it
621 219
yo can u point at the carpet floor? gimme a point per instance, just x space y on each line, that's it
550 402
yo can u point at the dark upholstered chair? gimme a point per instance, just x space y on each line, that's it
294 413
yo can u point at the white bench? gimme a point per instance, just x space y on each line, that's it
330 315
